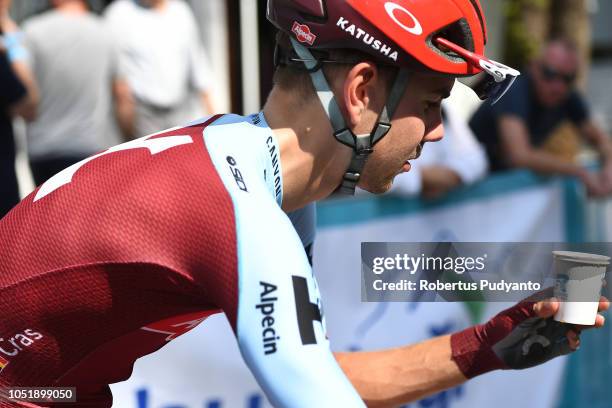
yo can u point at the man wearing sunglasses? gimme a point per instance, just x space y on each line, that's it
516 130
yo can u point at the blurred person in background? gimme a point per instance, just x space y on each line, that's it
18 97
455 161
516 129
74 61
164 62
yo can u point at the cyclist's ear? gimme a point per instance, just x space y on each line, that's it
359 85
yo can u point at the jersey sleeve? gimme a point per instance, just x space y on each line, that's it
281 327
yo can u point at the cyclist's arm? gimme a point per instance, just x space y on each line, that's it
276 315
393 377
522 336
408 373
279 327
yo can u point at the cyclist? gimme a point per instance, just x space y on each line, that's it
123 252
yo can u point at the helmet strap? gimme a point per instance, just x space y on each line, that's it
362 145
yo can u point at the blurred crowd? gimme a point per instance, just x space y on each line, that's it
84 82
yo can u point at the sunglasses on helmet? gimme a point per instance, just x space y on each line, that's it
496 78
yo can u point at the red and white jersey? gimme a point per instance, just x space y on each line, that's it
117 255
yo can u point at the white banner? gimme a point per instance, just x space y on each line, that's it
356 325
203 368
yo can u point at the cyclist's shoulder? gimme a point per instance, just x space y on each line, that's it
231 130
246 155
234 124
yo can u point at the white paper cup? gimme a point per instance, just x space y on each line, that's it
578 281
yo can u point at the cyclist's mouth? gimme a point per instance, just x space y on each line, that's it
419 150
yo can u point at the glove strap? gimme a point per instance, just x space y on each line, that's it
472 355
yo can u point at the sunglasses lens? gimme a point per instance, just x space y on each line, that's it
488 88
494 80
500 90
483 86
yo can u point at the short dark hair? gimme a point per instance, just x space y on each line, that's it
294 78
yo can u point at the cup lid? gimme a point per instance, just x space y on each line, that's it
581 257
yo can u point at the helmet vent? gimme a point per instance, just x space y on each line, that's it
459 33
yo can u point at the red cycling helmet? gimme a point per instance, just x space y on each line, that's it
441 36
413 34
394 32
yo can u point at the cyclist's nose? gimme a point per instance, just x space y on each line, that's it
435 134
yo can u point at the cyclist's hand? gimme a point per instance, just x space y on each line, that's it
522 336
